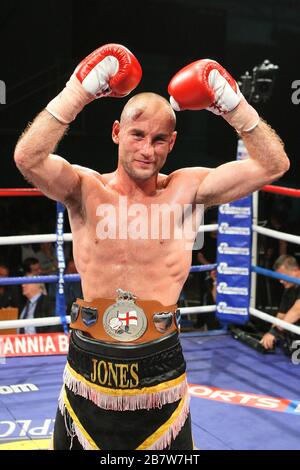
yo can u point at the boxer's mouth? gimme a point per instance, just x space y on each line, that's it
144 162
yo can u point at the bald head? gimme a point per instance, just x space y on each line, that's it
147 104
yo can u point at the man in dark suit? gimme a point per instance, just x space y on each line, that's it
38 305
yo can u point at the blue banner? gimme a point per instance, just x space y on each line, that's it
234 257
60 290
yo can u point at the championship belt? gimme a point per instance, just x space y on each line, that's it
125 320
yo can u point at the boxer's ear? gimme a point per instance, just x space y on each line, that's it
115 132
172 141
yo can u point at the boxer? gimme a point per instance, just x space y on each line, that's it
124 383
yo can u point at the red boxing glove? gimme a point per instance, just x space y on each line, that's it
205 84
111 70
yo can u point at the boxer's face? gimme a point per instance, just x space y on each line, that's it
145 139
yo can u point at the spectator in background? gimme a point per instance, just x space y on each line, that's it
289 309
47 258
44 254
31 267
37 305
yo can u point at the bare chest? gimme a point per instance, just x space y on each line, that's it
138 223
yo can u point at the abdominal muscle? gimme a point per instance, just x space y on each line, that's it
151 269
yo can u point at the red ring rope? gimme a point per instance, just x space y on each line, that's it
281 190
15 192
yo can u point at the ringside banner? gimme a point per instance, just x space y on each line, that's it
234 256
33 345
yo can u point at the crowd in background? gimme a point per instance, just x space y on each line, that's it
32 217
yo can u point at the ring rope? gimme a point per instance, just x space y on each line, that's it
281 190
50 321
30 239
8 324
20 192
203 267
275 275
51 238
67 237
275 234
203 309
275 321
50 279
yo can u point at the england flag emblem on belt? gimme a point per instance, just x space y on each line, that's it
125 321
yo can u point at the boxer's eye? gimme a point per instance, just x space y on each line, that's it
138 135
160 138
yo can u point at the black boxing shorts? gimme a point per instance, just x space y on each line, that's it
124 397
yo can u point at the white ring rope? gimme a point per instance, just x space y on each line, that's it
275 234
51 238
204 309
208 228
28 239
50 321
275 321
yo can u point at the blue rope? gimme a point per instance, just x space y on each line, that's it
53 278
17 281
275 275
203 267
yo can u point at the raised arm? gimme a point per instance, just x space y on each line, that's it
205 84
268 162
53 175
111 70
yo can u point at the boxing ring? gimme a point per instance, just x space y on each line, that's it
240 399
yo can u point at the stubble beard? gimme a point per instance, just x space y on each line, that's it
138 175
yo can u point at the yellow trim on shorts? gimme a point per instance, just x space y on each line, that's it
128 392
78 423
163 428
146 444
